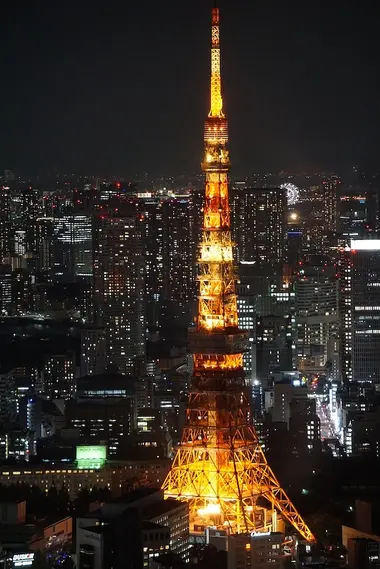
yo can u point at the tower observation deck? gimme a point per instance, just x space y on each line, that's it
220 467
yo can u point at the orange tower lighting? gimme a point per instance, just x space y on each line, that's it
220 467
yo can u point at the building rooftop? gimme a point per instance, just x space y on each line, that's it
161 507
152 526
97 529
105 381
117 506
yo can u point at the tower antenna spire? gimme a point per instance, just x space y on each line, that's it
216 108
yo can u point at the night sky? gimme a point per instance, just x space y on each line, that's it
112 87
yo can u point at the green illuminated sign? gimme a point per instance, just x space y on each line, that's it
91 456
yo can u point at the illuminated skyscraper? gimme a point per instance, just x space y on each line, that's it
170 253
330 193
179 256
5 288
73 246
44 228
360 311
316 315
119 285
319 233
259 225
5 222
30 211
59 376
220 467
151 209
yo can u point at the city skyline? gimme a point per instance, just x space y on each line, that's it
92 90
196 354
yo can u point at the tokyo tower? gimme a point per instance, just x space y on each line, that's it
220 467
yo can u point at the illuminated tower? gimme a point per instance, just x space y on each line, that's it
220 468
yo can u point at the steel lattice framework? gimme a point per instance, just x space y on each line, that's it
220 467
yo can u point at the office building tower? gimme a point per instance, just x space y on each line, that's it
145 386
119 274
247 321
59 376
30 211
259 225
93 351
5 289
5 222
7 400
353 212
151 209
274 334
331 188
22 281
295 243
359 290
274 341
320 228
317 316
83 300
151 433
316 240
103 414
45 243
13 443
324 200
179 255
73 246
170 253
103 385
19 242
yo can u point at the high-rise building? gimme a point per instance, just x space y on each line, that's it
320 228
353 211
73 246
259 231
59 376
21 290
317 316
359 290
259 225
5 222
330 191
154 259
103 412
30 211
93 351
179 255
5 289
119 285
247 321
170 251
266 308
45 259
273 346
220 467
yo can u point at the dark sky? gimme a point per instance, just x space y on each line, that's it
122 86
